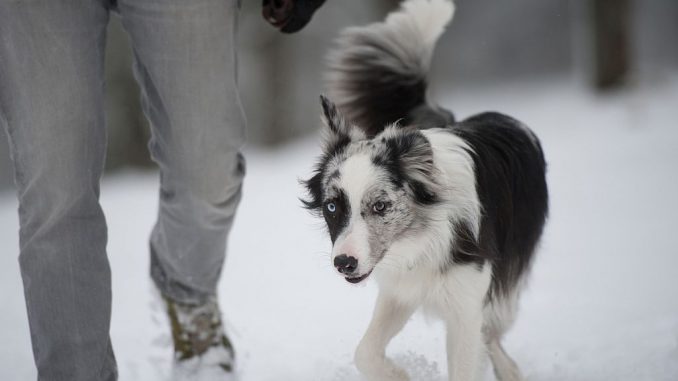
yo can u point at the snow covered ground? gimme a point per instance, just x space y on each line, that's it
602 303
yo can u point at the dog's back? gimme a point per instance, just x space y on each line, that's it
511 186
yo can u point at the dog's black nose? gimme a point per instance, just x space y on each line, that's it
345 264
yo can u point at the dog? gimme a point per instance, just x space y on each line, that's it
445 215
289 16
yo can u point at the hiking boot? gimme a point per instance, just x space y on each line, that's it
198 333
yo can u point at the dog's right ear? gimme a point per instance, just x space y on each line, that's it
339 128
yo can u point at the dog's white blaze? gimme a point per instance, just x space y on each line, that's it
353 242
357 174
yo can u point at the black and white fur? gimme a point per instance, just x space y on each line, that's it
446 215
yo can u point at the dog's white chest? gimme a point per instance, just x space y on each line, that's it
436 293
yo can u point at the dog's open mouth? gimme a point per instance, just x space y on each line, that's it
278 12
358 279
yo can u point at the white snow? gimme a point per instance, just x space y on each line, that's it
602 303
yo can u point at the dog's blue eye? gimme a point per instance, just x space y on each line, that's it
379 206
331 207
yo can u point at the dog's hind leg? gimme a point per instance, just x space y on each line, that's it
388 319
499 316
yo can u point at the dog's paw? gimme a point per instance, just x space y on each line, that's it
379 368
394 372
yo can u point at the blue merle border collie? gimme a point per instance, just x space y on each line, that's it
444 214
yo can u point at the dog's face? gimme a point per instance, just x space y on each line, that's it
372 193
289 15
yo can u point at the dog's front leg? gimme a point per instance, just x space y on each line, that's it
388 319
465 346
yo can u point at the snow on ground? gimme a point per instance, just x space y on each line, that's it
602 303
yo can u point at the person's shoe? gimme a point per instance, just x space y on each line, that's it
198 333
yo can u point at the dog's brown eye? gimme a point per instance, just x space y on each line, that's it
379 206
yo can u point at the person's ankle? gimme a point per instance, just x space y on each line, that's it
197 331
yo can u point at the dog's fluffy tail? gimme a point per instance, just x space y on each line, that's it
378 73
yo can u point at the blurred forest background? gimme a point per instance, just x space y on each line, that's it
609 46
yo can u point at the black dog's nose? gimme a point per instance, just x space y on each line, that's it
345 264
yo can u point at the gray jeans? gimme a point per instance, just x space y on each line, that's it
51 100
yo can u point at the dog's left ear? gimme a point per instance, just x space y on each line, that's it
339 128
409 155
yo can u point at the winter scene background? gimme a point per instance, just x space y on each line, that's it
602 301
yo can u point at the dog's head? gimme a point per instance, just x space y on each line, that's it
289 15
373 193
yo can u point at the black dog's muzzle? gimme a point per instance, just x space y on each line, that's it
290 15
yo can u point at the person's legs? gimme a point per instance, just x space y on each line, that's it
186 65
51 98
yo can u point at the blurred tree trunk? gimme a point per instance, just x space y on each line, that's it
611 29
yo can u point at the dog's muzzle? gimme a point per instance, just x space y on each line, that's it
347 266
